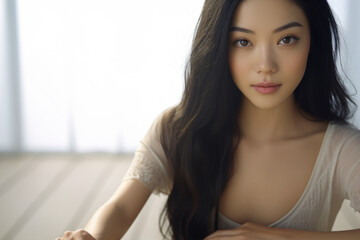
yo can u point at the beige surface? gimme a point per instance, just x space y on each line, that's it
42 195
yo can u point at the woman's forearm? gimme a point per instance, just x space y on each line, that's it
252 231
336 235
109 223
115 217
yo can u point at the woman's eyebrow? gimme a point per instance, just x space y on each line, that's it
286 26
279 29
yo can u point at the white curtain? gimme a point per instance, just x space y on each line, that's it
89 75
10 119
94 74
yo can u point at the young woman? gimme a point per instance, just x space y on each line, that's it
259 146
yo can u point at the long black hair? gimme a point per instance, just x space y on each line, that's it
199 134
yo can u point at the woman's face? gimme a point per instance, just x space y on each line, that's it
268 50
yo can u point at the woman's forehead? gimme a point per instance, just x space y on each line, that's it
267 14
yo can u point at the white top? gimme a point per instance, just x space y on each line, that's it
335 177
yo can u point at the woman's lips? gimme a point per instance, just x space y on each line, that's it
266 88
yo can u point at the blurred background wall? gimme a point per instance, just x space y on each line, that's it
88 75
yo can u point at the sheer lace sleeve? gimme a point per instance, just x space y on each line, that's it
349 166
149 165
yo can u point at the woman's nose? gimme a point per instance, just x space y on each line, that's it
266 60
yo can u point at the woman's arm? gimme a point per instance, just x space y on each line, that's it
337 235
251 231
113 219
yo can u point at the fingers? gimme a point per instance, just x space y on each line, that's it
67 234
76 235
233 237
223 234
245 231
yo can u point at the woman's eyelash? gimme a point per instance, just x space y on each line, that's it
286 40
241 43
289 39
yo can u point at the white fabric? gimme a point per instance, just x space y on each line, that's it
149 164
335 177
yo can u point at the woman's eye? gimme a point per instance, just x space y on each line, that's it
288 40
242 43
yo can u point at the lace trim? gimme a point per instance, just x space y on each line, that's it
156 158
149 172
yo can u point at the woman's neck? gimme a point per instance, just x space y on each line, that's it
262 125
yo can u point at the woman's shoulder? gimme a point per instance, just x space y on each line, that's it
344 131
154 137
344 141
346 151
150 164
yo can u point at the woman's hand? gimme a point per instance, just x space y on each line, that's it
77 235
250 231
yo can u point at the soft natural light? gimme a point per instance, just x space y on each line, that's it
95 74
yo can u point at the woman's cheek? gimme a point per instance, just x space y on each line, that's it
240 69
295 66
